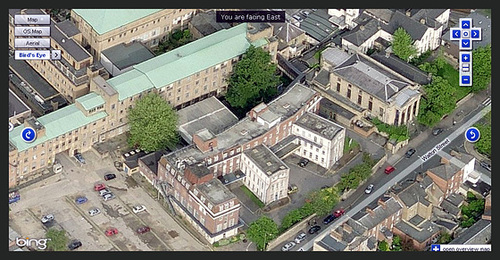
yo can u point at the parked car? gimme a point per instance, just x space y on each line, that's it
369 188
328 219
138 208
303 162
104 192
94 211
111 231
108 196
437 131
79 158
410 152
389 169
74 244
485 165
99 186
109 176
292 188
298 18
288 246
81 200
300 237
338 213
314 229
47 218
143 230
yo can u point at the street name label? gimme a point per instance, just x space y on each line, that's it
435 150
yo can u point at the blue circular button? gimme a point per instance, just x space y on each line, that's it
28 134
472 134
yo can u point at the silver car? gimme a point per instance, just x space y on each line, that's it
94 212
369 189
47 218
300 237
288 246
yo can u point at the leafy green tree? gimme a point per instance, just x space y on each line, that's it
396 244
481 64
402 45
439 99
261 231
444 238
324 200
383 246
58 240
153 124
254 80
471 210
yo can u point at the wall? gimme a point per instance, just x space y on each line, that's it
291 232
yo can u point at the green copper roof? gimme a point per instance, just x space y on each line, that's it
90 100
61 121
182 62
105 20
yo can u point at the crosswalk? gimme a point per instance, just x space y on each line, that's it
486 102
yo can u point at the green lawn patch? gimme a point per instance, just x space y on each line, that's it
252 196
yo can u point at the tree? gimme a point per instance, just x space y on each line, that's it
402 45
58 240
444 238
439 99
481 64
396 243
253 80
483 145
471 210
383 246
261 231
153 124
323 201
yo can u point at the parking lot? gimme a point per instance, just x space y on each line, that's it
56 195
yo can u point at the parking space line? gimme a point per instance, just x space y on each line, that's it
91 222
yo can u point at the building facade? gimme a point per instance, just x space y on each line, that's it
105 28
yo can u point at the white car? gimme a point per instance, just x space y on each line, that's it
104 192
47 218
288 246
369 189
138 208
94 212
108 196
300 237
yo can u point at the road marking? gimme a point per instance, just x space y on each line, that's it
435 150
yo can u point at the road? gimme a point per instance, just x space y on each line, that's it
404 167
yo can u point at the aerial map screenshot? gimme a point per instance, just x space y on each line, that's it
249 130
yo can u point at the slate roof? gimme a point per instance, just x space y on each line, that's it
16 105
445 171
126 55
406 69
413 194
425 231
317 25
467 237
206 24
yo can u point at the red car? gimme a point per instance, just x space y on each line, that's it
99 186
111 231
389 169
143 230
338 213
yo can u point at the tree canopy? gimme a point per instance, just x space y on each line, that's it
58 240
153 124
402 45
439 99
253 80
481 64
261 231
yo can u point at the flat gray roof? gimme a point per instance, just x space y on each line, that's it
27 73
74 49
319 125
16 105
208 114
329 105
215 192
68 28
125 55
265 159
334 56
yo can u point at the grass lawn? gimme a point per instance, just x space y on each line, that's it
348 147
452 76
252 196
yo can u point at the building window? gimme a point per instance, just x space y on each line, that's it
338 87
359 99
370 105
349 93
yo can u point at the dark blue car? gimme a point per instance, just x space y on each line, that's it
328 219
81 200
